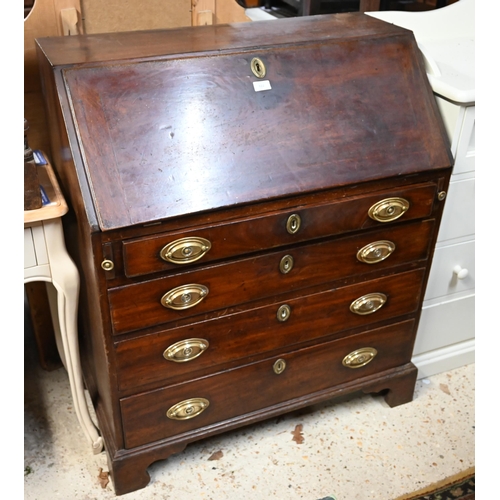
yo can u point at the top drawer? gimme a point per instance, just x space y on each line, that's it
209 243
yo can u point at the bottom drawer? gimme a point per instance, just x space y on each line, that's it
199 403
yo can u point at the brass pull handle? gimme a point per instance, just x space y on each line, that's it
293 223
185 250
360 357
368 304
185 350
389 209
283 313
184 297
376 251
279 366
189 408
286 264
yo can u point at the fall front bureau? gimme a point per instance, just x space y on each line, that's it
253 215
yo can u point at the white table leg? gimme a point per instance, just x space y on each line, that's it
66 281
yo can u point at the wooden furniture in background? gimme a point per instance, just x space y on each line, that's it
254 224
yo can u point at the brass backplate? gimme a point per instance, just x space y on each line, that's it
185 350
388 209
188 408
184 297
359 357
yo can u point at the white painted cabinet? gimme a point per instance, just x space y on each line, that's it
446 334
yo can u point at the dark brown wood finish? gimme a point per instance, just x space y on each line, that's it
159 137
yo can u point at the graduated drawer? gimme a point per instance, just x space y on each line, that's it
224 285
217 242
168 356
261 385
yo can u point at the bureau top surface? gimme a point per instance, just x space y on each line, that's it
175 122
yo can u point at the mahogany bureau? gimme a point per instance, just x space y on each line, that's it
254 209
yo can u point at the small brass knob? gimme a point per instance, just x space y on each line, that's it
441 195
107 265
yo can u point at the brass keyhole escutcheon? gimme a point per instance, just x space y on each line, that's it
279 366
286 264
293 223
258 68
283 313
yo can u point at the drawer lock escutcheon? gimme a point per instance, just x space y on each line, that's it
185 250
189 408
389 209
286 264
185 350
258 67
368 304
376 251
284 312
293 223
184 297
279 366
360 357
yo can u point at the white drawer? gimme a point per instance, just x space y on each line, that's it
459 210
445 324
29 249
442 279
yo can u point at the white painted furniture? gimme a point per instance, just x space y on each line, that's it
446 37
46 259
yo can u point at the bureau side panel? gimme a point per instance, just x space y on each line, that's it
81 240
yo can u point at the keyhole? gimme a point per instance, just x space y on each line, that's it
258 68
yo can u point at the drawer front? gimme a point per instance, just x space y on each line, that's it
453 270
446 324
168 356
240 391
205 244
225 285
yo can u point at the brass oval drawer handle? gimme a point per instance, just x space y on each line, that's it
286 264
389 209
185 350
185 250
293 223
284 312
376 251
368 304
184 297
360 357
189 408
279 366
